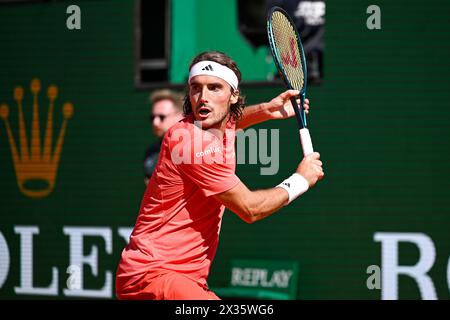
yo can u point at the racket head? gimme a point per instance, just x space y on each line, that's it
287 49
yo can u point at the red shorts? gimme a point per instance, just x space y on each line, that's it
164 285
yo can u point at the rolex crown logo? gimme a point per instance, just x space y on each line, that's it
36 163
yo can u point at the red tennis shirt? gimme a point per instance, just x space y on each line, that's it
179 221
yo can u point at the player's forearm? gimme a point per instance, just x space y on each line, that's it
252 206
266 202
253 114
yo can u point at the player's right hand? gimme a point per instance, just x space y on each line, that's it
311 168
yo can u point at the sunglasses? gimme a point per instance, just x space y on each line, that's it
161 117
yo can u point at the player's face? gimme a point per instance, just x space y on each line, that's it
164 115
211 98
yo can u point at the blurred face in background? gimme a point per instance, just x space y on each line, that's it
164 115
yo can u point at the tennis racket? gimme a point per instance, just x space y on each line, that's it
287 52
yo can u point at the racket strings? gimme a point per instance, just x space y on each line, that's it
285 40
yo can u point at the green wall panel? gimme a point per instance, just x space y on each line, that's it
380 120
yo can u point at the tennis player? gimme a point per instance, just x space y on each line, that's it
175 238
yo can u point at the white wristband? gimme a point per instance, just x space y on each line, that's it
295 185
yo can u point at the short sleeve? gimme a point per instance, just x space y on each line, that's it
200 157
211 178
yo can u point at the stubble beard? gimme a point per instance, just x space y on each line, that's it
217 122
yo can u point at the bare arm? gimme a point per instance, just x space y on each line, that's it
252 206
252 115
279 107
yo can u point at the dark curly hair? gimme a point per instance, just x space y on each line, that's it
223 59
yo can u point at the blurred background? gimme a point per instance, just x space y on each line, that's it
75 80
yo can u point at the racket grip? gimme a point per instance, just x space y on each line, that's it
305 139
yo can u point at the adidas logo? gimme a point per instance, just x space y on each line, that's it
208 68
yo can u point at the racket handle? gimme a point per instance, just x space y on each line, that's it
305 138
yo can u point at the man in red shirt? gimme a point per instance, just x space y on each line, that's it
176 234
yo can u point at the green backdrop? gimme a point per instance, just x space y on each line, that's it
380 120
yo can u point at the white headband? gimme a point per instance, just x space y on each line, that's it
211 68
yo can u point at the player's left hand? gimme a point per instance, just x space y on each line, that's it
280 107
